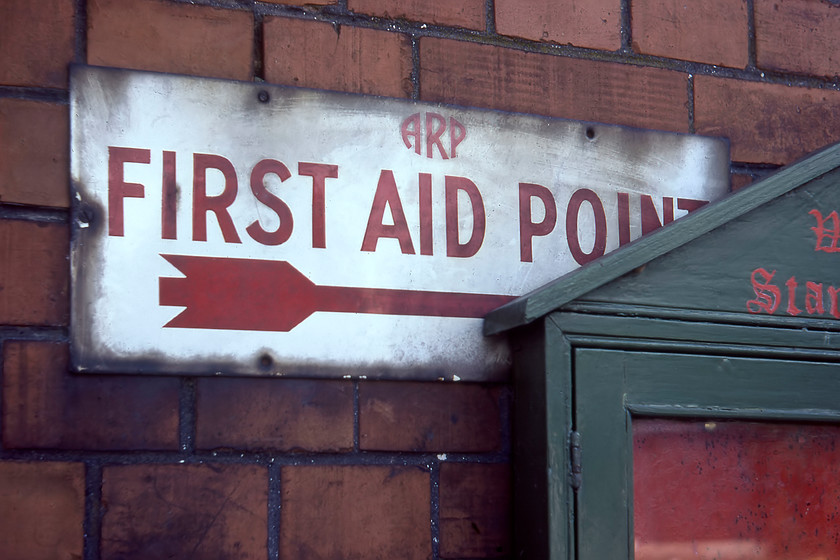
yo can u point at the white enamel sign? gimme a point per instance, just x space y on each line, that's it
242 228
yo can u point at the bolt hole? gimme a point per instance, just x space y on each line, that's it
85 216
266 361
263 96
590 132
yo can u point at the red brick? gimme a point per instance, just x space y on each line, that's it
714 31
475 504
184 511
402 416
371 512
485 76
284 414
317 55
465 13
41 510
594 24
798 35
766 123
34 276
34 153
171 37
44 406
303 3
741 180
36 39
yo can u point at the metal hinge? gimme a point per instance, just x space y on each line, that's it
574 458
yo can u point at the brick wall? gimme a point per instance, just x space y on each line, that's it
183 467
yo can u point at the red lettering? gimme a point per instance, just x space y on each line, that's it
457 133
814 298
826 238
578 198
791 306
169 202
319 173
832 299
414 132
425 196
527 228
202 203
623 219
118 189
767 295
650 218
454 248
433 134
387 195
690 204
261 192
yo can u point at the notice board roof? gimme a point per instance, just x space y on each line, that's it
769 249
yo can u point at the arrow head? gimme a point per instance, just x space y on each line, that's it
237 294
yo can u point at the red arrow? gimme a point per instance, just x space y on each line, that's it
260 295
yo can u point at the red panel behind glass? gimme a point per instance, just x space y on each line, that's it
734 490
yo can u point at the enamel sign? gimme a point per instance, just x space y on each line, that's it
240 228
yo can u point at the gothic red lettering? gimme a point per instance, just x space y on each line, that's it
814 298
791 285
767 295
827 237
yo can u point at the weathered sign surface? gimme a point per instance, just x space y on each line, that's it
241 228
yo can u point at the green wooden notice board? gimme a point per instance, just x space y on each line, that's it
729 315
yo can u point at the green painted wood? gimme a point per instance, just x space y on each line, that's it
696 331
603 521
559 399
612 386
729 269
543 501
527 308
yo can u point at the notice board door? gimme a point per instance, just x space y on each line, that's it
686 456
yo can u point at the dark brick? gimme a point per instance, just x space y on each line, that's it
44 406
41 510
466 13
35 275
316 55
284 414
184 511
371 512
405 416
485 76
766 123
171 37
594 24
713 31
798 36
34 153
36 39
475 504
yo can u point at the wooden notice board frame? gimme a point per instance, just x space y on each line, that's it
745 285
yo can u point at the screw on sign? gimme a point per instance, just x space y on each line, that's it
253 294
